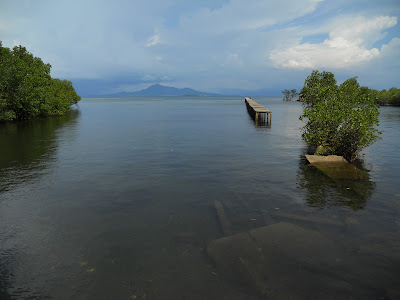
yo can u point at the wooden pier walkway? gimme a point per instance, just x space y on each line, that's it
259 113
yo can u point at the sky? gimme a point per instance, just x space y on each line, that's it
223 46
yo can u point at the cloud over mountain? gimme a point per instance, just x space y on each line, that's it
214 45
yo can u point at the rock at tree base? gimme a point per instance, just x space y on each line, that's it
336 167
320 159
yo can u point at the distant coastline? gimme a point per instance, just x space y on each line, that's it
158 90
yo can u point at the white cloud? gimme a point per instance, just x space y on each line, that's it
204 44
148 77
392 49
362 30
336 53
346 46
233 59
154 78
154 40
238 15
384 71
165 78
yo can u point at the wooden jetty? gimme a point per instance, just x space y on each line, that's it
259 113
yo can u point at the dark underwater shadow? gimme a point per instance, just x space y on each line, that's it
27 149
8 263
323 191
30 145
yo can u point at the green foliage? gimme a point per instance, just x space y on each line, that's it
60 96
27 89
293 93
286 93
340 119
384 97
289 95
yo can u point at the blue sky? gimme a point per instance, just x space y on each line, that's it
217 46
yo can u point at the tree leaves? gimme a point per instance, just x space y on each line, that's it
339 119
289 95
27 89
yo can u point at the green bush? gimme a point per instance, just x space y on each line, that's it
27 89
340 120
384 97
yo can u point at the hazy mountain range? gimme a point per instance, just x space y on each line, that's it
158 90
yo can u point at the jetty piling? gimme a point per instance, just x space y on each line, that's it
259 113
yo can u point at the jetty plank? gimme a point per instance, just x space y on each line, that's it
259 113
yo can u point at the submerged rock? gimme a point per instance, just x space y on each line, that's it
240 260
287 261
251 259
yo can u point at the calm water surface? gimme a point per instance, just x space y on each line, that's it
186 199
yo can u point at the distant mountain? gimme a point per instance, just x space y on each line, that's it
158 90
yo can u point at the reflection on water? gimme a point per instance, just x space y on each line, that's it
139 199
28 147
322 190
